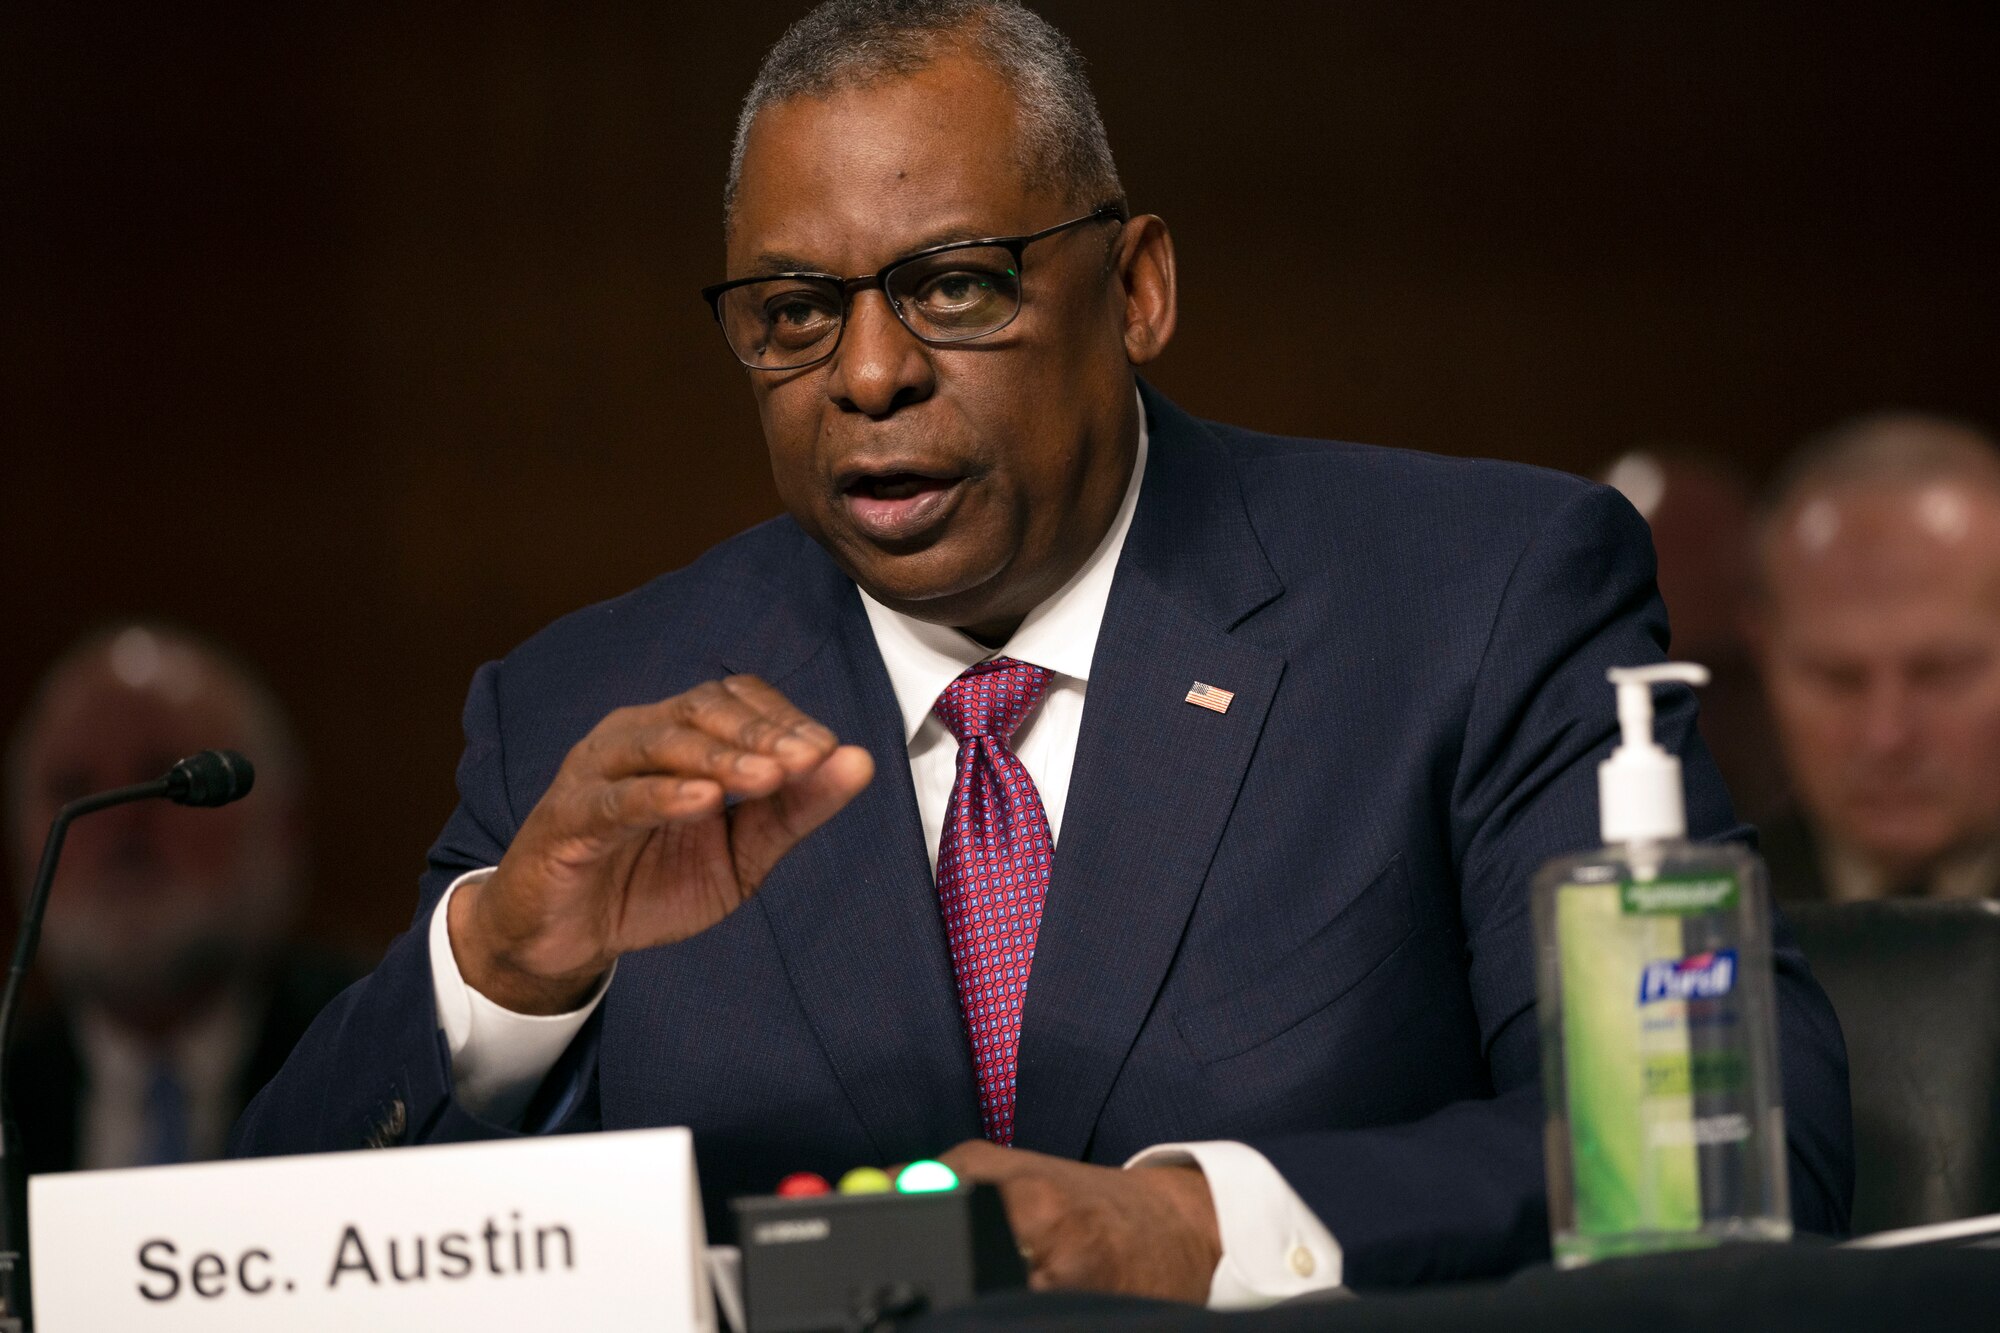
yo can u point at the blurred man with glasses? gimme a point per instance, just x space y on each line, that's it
1145 805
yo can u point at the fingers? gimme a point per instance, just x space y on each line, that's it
1149 1232
1034 1199
984 1160
750 715
649 801
798 727
1039 1212
763 831
739 733
1036 1207
1068 1256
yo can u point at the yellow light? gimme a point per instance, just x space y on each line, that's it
865 1180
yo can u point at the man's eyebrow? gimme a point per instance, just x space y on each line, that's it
778 261
950 236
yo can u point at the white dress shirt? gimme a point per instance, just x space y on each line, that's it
205 1056
1973 872
1273 1246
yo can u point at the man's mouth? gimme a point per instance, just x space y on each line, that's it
899 506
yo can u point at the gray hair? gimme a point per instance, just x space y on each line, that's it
844 44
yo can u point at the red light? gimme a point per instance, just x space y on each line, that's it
802 1185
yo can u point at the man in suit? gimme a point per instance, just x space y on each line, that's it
1877 626
166 936
1064 777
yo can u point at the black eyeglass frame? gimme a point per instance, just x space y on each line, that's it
879 281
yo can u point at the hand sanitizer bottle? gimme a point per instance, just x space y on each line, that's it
1658 1021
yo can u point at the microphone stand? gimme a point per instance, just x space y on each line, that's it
209 778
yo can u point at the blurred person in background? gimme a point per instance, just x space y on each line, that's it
167 937
1878 629
1701 512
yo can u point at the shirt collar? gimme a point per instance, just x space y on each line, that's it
1970 872
203 1054
1060 634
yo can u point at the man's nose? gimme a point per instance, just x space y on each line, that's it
880 366
1888 719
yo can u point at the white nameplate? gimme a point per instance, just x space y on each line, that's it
592 1231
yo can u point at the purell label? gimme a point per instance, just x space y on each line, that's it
1704 976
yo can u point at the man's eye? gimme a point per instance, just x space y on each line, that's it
1836 677
965 298
960 286
1947 673
956 287
798 319
797 311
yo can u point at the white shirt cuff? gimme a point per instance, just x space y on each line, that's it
498 1057
1273 1246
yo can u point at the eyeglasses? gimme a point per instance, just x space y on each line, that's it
946 294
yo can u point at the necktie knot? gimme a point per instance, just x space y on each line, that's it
991 698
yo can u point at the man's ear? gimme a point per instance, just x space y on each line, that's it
1146 277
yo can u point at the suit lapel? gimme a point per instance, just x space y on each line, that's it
1154 781
853 911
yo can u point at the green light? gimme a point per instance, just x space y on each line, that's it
926 1178
865 1180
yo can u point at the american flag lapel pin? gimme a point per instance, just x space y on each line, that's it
1204 695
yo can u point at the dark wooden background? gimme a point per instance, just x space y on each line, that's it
368 340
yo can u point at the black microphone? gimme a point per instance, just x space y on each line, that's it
211 778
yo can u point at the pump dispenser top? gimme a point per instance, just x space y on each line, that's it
1639 793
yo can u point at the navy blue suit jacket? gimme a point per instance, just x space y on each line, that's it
1303 924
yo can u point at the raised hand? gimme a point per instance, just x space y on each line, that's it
634 844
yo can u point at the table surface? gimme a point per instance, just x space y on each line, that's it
1769 1289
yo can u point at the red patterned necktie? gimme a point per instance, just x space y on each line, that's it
993 870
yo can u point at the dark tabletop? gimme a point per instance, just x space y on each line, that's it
1763 1288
